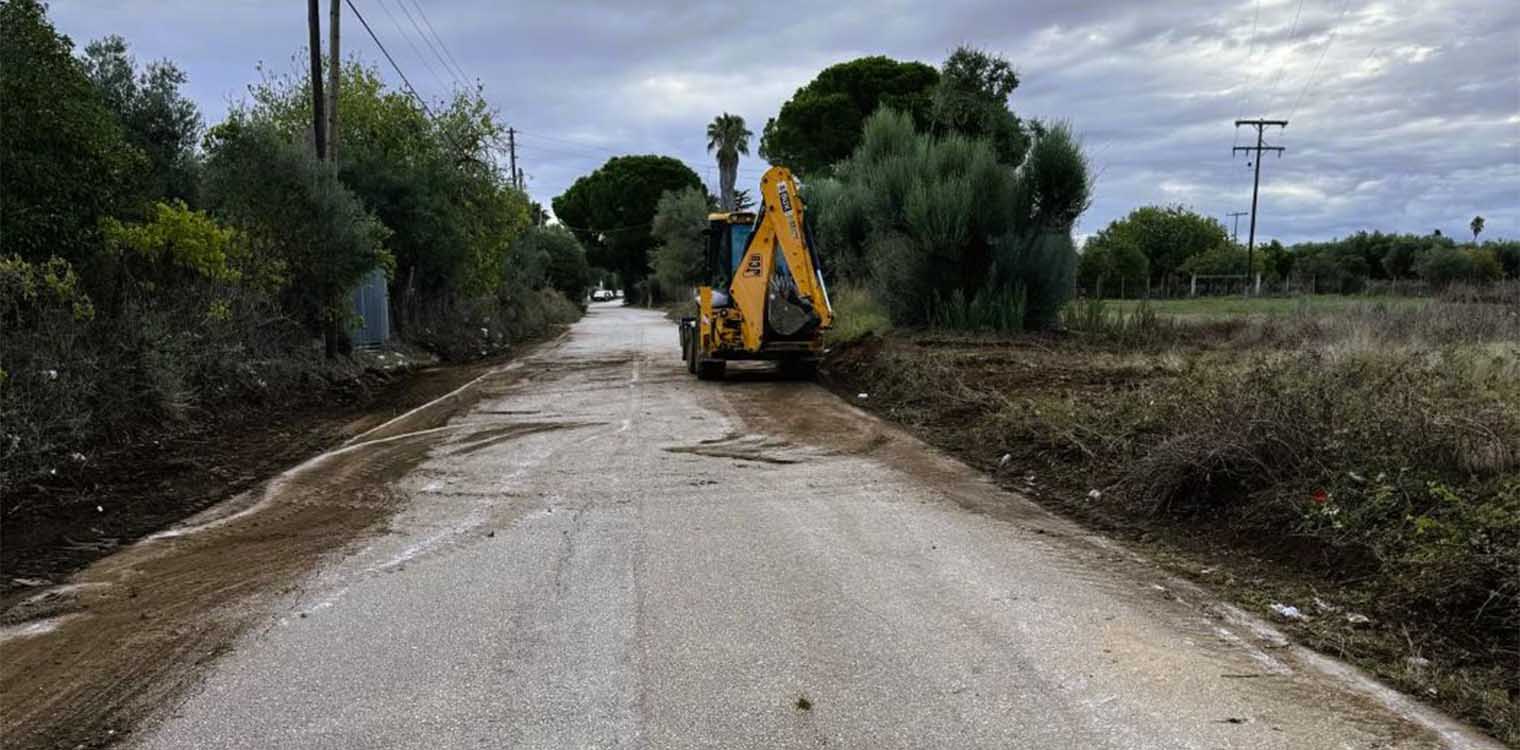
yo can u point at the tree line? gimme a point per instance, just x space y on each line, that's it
1155 250
151 266
923 188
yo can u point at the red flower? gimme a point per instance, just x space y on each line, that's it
1320 497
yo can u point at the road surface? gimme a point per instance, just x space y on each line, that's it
596 550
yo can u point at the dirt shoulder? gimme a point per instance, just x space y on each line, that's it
1022 409
121 494
118 642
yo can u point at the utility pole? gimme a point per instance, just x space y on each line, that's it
1235 232
334 70
522 184
318 123
512 154
1261 126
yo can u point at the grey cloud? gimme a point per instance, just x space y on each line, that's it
1411 122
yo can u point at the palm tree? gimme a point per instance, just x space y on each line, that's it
1477 228
728 138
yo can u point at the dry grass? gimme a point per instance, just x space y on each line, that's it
1369 453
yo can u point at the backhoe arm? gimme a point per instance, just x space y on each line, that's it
781 228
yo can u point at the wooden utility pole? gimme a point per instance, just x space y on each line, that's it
318 122
1261 126
334 71
512 155
1235 232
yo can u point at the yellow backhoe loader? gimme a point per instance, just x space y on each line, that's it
767 300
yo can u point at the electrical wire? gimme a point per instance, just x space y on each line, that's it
1345 6
445 63
409 88
402 33
1250 55
441 45
1292 34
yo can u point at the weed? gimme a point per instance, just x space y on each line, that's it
857 315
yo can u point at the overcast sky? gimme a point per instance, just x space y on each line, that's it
1405 115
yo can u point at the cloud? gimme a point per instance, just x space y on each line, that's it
1405 115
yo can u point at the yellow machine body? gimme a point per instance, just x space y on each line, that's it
774 305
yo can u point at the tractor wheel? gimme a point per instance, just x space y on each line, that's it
711 369
799 369
691 354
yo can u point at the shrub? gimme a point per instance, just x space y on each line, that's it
549 256
679 222
940 223
294 210
857 315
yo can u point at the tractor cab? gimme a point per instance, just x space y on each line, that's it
728 236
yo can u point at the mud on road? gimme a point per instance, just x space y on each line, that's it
84 660
595 549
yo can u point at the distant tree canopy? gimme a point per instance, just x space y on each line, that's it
821 124
612 211
1348 263
1166 237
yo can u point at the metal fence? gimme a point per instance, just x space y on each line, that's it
373 308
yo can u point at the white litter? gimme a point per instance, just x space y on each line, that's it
1356 619
861 396
1094 494
1287 612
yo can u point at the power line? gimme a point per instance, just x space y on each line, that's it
1345 6
402 33
392 60
1292 34
441 45
1250 56
402 5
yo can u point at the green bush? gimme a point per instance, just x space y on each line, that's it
294 208
946 232
679 222
1448 265
857 315
549 256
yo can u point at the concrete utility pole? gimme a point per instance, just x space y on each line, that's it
1260 126
318 122
512 155
1235 232
334 69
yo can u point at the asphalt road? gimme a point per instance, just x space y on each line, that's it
608 553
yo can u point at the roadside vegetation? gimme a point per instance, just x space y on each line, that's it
1155 252
1352 455
1357 460
156 272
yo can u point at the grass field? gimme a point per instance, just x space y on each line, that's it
1234 306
